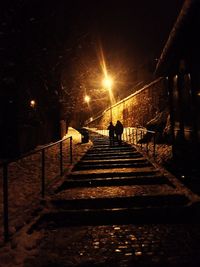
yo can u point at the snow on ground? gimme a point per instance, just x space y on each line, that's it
24 180
75 134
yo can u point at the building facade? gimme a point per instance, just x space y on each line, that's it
180 64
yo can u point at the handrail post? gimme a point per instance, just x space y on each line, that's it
154 145
136 136
61 159
5 201
70 149
43 174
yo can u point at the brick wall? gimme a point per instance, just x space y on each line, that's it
136 109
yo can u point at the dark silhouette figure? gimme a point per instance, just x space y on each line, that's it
111 129
119 131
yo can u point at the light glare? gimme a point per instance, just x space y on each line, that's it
87 99
107 82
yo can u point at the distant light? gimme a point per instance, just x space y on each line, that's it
32 103
175 79
198 93
91 119
183 176
87 99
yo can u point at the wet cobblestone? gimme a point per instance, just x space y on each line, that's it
120 245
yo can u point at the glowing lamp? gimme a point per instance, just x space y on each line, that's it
32 103
87 99
107 82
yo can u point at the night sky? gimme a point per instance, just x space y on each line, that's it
136 27
42 39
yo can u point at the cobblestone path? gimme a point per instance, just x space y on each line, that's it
117 209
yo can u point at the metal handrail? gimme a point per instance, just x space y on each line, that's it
133 135
138 135
5 165
33 151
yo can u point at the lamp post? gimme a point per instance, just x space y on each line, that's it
107 83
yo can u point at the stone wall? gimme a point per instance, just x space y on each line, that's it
136 109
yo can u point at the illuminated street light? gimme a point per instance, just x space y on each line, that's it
87 99
107 83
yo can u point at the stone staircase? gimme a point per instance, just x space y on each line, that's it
118 185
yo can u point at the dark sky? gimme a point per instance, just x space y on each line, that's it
131 28
139 28
41 34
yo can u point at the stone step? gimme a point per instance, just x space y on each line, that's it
101 141
114 181
107 146
112 153
116 216
85 166
122 202
111 149
119 172
112 156
111 160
